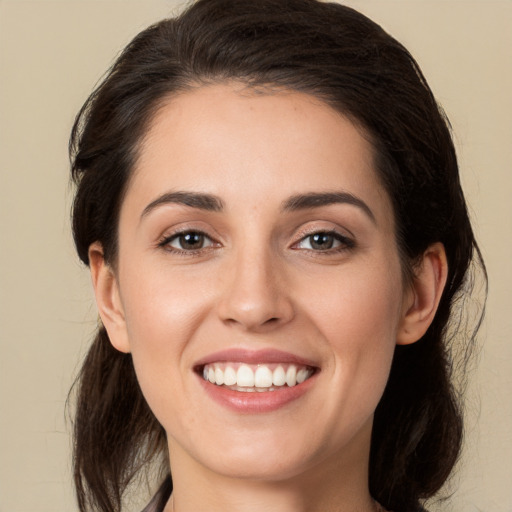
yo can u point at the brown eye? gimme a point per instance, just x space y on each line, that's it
321 241
189 241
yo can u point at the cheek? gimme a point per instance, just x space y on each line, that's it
163 313
162 306
359 308
358 316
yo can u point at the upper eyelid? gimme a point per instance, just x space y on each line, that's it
338 236
183 228
172 236
312 230
332 232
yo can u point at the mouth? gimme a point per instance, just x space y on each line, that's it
255 381
254 378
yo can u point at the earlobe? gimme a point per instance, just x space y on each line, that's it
426 291
108 300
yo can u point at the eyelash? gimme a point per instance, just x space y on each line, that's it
165 242
345 243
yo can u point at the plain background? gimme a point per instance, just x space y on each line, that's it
51 55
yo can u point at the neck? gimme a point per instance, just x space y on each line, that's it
337 485
255 497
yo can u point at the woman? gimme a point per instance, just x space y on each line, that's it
269 202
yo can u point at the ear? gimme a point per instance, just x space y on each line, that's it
108 300
425 293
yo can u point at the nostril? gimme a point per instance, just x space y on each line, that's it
253 307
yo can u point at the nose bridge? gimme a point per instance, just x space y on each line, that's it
255 295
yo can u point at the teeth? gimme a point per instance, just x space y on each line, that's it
219 377
261 377
229 376
279 376
291 376
302 375
245 377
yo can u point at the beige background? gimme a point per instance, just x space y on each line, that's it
51 55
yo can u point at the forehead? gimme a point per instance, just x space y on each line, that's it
240 144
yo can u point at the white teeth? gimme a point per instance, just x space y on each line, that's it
302 375
291 376
279 376
263 377
219 377
229 376
243 377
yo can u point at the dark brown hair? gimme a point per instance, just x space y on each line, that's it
340 56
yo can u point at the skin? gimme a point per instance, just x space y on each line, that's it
258 283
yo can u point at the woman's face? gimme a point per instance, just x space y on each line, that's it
257 248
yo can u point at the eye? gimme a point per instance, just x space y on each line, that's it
324 241
187 241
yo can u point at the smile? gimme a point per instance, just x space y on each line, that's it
256 377
256 381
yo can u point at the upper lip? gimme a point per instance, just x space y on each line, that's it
262 356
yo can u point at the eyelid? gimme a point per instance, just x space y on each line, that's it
179 227
323 226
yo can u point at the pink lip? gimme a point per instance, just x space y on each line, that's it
254 402
254 357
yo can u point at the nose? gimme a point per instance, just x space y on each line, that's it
255 295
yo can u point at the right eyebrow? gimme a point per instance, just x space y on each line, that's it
199 200
318 199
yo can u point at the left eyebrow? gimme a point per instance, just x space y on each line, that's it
201 201
318 199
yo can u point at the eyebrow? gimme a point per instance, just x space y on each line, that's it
318 199
198 200
212 203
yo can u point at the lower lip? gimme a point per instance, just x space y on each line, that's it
257 401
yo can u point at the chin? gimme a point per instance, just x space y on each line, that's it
260 465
